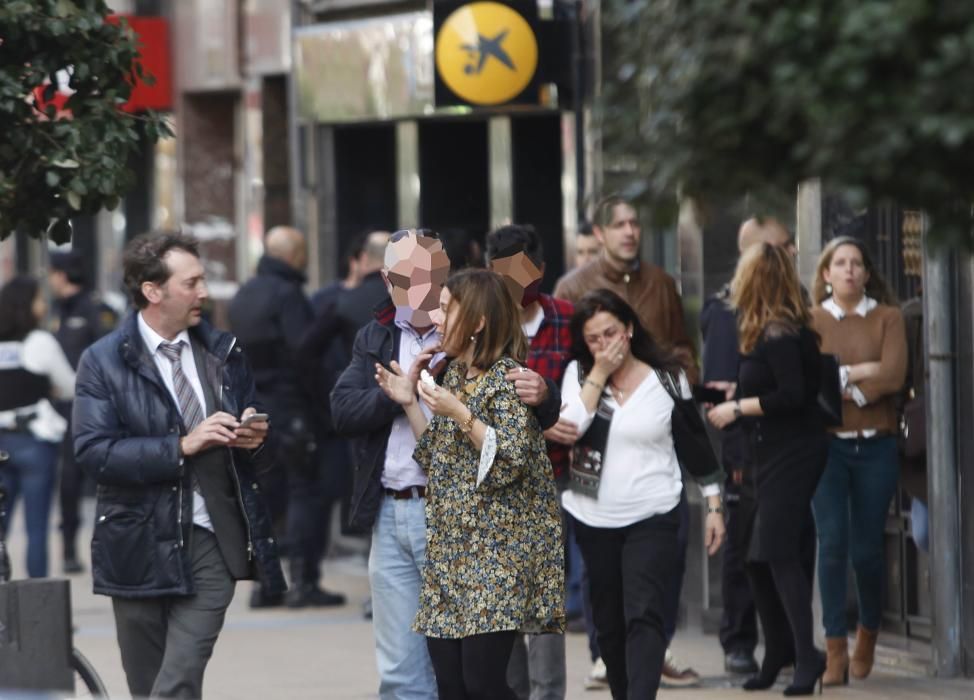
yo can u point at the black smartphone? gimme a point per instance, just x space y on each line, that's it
704 394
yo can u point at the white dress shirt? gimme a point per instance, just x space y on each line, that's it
641 476
152 341
402 471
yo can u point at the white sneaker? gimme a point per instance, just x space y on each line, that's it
675 677
596 678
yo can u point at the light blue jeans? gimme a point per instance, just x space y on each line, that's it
396 575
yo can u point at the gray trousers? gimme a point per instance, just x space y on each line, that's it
537 667
167 642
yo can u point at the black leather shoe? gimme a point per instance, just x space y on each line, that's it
740 662
258 599
72 566
313 597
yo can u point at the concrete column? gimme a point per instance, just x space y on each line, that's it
808 235
501 186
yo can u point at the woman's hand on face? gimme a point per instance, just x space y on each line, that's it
714 532
395 383
611 357
440 401
722 415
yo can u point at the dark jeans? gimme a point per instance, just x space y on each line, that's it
630 569
69 491
738 624
30 471
472 668
850 508
674 582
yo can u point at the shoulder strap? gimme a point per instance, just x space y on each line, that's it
668 382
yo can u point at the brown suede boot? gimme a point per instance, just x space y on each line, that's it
864 654
836 661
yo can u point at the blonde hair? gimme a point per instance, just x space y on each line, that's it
766 290
482 294
876 287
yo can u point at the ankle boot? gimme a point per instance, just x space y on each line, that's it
836 661
864 654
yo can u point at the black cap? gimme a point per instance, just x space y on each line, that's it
71 263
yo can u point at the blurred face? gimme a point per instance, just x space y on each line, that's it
587 249
600 330
178 302
38 307
847 273
445 317
415 278
621 237
57 281
521 276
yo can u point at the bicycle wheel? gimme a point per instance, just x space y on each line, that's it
87 683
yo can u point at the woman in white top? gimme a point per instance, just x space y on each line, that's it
628 531
33 370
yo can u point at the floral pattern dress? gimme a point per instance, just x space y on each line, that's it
494 558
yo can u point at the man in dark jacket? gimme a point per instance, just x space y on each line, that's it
159 422
389 487
270 315
81 320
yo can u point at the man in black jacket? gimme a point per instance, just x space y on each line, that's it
270 315
159 415
389 487
82 319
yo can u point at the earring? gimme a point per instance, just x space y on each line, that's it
630 336
828 288
473 338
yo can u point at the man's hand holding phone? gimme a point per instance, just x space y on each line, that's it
252 430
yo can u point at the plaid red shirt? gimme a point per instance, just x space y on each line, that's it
548 355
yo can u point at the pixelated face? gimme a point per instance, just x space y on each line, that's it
417 268
521 276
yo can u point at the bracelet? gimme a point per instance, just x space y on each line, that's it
467 425
717 509
600 387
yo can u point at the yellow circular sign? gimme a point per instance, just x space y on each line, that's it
486 53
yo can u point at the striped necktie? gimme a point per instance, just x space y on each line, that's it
189 403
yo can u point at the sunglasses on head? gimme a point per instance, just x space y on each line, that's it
424 232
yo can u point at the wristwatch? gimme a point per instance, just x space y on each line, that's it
737 409
717 509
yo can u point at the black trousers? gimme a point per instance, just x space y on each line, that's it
629 570
473 668
738 624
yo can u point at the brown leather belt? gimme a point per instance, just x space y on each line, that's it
406 493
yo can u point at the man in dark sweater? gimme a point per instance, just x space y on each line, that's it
270 315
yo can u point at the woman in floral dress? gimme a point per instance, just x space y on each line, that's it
494 543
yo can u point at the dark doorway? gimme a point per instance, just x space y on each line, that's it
536 173
365 188
454 172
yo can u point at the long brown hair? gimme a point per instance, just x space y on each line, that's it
876 287
766 290
482 294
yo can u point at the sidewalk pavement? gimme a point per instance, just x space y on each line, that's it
284 654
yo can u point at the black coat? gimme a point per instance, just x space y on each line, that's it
126 436
82 320
363 413
270 315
